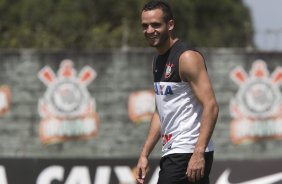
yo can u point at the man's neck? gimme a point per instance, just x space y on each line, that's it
167 45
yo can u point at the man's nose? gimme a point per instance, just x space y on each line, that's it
150 29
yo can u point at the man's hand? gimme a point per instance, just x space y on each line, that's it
196 167
141 169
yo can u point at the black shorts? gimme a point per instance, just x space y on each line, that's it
174 166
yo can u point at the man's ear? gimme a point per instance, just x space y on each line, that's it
171 25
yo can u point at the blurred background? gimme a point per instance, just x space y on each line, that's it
76 91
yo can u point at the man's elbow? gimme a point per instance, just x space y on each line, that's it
214 109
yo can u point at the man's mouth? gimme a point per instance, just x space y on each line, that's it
152 37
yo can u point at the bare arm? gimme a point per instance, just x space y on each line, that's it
192 70
152 138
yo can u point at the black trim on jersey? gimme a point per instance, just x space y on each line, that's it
166 66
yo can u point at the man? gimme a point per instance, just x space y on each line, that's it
186 108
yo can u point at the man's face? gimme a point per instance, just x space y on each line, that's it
155 29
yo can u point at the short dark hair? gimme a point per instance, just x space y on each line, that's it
158 4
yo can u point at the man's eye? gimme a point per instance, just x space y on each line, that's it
156 25
145 26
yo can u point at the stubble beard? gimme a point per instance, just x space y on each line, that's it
159 41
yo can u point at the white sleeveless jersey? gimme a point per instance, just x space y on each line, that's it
179 110
180 114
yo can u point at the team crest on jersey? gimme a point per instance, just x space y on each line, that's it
257 106
67 109
5 99
168 70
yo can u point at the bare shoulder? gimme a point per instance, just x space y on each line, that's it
190 63
192 56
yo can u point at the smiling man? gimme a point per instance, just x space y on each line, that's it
186 108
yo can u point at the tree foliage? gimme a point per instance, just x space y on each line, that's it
114 24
